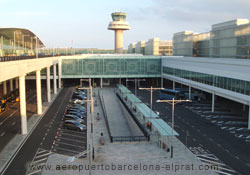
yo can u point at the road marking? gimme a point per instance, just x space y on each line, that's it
13 123
40 160
63 143
64 149
42 155
71 135
236 157
63 138
2 134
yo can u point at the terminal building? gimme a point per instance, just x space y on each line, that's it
153 46
18 41
226 75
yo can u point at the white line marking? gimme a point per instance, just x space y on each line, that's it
63 143
41 160
2 134
42 155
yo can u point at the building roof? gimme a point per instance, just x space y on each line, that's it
123 89
145 110
20 35
132 98
162 127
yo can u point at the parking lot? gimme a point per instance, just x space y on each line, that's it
198 132
225 118
71 141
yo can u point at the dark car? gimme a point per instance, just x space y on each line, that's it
74 125
70 115
73 117
77 105
75 113
79 97
80 102
77 108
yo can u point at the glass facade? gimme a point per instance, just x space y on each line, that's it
104 66
236 85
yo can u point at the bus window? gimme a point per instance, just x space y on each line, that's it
169 94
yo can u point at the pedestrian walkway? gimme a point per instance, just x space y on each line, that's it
117 119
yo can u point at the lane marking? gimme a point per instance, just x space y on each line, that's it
2 134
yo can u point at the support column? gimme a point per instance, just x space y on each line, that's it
101 82
59 75
249 116
161 82
11 85
189 92
5 87
23 104
38 92
54 79
212 102
173 85
16 83
48 83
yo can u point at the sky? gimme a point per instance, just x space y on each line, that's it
83 23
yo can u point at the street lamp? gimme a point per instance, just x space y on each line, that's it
24 48
135 80
173 102
151 89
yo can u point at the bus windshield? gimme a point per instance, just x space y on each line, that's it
169 94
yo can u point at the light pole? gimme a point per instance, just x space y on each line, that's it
151 89
173 102
135 80
23 43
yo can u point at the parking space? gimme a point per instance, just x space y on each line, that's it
224 117
70 139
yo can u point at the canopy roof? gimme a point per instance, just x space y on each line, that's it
21 36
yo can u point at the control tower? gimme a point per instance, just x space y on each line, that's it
118 24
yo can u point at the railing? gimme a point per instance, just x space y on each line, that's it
128 138
15 58
105 115
143 129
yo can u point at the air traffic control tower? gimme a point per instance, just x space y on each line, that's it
118 24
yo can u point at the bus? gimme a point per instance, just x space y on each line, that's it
169 94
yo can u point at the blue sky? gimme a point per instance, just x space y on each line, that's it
58 22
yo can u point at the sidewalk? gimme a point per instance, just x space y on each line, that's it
126 158
116 117
15 144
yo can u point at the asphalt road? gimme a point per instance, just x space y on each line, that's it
10 122
42 137
230 150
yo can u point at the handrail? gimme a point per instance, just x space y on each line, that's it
105 115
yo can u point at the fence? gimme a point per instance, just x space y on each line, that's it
105 115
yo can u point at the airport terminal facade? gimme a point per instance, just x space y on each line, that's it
223 76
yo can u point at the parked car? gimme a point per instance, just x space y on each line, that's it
77 101
77 108
81 117
75 113
74 125
79 97
73 117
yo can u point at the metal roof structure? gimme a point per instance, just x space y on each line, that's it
132 98
123 89
145 110
20 36
162 127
